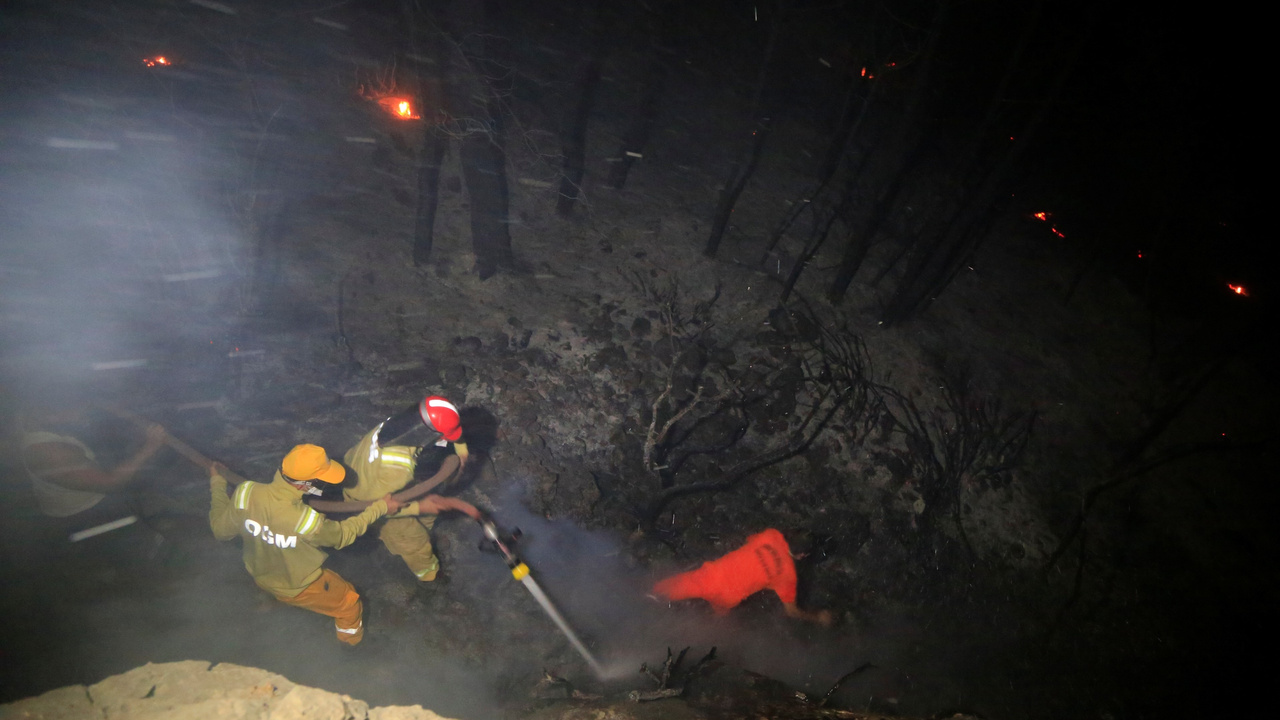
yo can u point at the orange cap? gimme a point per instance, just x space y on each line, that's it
310 462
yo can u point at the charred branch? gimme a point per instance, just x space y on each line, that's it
844 679
649 695
825 378
966 442
663 678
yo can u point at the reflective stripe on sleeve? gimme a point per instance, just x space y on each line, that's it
242 495
349 631
308 522
435 566
400 456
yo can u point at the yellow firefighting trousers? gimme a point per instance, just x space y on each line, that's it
408 537
331 595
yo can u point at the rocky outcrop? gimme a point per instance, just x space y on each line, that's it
198 690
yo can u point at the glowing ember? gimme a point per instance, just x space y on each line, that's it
399 107
1057 232
864 72
1042 215
157 60
1238 289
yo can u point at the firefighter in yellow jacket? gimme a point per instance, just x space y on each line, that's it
282 537
383 469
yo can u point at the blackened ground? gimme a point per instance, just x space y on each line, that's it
134 202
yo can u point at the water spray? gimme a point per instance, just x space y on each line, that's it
505 543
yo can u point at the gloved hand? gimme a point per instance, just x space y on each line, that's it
436 504
393 505
216 477
411 509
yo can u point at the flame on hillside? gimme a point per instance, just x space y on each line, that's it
399 107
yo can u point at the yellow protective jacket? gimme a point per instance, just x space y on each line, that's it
380 470
282 537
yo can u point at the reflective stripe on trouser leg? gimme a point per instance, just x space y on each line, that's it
408 538
331 595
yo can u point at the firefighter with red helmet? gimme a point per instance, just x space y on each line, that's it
382 467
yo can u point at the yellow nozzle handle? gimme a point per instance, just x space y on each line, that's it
520 571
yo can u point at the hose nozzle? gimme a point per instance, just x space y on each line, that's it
503 542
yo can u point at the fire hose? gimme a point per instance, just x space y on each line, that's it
447 470
178 445
505 544
502 541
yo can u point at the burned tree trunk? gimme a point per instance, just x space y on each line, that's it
741 171
737 182
270 218
821 231
845 132
860 240
637 136
484 160
432 154
936 264
575 149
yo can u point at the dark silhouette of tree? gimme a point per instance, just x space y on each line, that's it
940 255
663 23
741 171
458 44
575 136
908 143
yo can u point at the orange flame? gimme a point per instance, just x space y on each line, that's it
1238 289
1042 215
154 61
399 107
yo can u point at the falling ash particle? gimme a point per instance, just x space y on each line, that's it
69 144
219 7
118 364
193 275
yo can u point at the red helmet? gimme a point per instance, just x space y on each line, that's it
442 416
